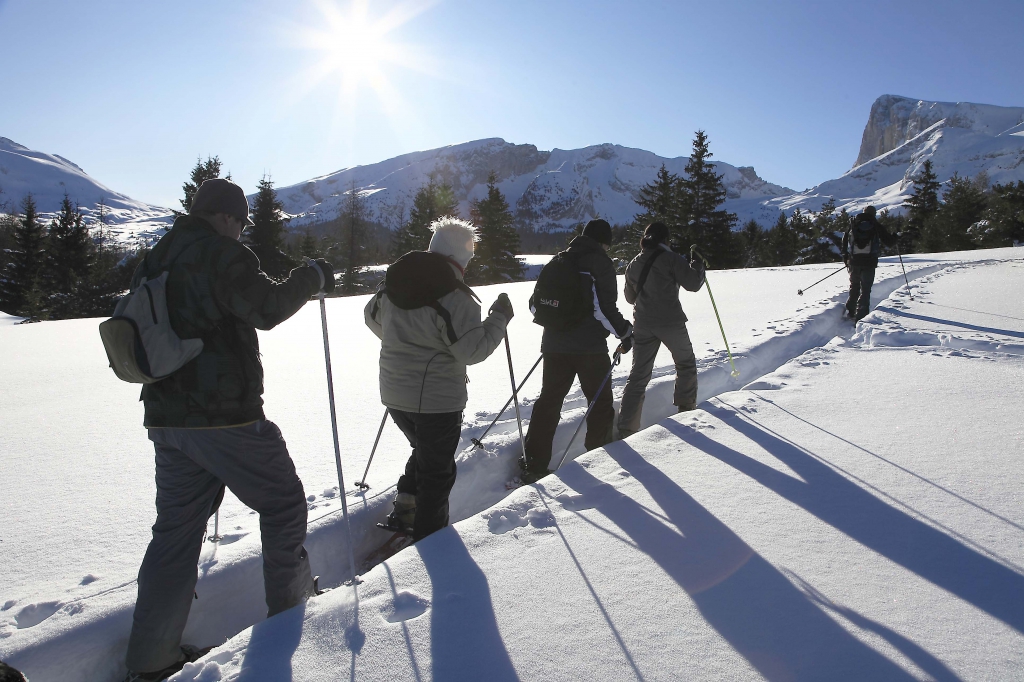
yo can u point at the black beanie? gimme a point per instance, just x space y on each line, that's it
656 233
598 230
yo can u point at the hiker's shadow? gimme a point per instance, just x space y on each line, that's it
849 508
465 643
271 647
753 606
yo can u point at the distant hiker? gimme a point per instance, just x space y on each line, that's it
574 300
429 324
653 279
207 425
861 248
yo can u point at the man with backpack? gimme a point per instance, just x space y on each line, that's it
207 424
653 279
574 300
430 327
861 248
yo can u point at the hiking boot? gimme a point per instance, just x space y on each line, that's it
189 654
528 475
403 517
687 408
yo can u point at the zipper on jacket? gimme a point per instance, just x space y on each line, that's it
152 306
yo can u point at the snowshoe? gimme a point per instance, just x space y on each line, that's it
189 654
403 516
392 546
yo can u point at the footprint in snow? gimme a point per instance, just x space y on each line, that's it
540 518
405 606
34 614
503 520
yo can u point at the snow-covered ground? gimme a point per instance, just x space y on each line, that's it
849 515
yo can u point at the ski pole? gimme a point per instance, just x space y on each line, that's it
515 395
478 442
904 271
800 292
615 361
334 424
693 251
362 485
216 537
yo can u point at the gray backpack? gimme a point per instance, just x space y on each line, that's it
141 345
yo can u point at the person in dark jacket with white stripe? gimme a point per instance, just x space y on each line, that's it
862 244
580 351
653 280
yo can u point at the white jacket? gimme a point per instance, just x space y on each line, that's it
423 356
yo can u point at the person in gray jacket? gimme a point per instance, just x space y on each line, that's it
423 358
653 279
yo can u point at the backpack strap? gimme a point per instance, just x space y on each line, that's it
646 271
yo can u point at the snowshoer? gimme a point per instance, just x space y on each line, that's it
653 279
207 424
581 278
861 248
430 327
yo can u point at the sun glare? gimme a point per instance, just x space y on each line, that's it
356 49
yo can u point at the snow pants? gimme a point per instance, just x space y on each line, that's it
559 371
192 468
430 471
861 279
646 343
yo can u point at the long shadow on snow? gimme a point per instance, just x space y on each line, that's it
271 647
760 613
465 643
847 507
939 320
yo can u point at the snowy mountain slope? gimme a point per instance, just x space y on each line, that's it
83 518
901 134
548 190
48 177
803 528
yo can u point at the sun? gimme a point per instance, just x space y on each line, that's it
356 49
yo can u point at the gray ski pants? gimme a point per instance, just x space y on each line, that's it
192 467
646 343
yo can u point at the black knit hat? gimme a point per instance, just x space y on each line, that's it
598 230
221 196
656 233
870 210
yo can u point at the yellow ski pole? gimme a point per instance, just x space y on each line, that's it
694 252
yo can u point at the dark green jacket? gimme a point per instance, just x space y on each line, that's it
216 292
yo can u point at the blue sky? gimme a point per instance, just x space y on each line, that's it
134 92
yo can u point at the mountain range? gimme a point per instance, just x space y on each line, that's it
554 190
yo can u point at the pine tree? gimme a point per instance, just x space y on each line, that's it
67 261
266 236
354 225
201 172
826 239
923 205
752 238
495 256
431 202
781 243
701 193
963 204
660 201
1006 214
802 227
20 292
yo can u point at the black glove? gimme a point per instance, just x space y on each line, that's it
325 270
503 306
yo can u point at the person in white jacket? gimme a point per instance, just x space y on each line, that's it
426 345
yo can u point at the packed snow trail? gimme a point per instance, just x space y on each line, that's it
94 617
832 520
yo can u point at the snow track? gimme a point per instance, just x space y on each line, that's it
92 630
